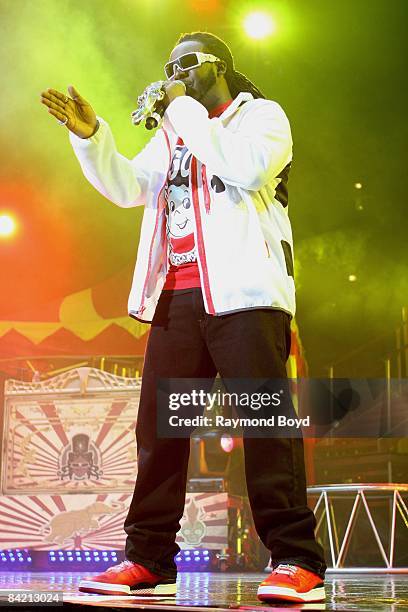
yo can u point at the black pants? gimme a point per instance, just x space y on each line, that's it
186 342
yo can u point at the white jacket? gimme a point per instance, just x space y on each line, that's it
243 234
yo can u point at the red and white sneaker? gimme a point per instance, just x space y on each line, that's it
292 583
128 578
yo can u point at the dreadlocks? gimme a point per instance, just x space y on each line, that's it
212 44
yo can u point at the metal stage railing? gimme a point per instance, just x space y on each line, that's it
327 494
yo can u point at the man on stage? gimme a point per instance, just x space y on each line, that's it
214 276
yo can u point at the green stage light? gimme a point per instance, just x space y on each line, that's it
258 25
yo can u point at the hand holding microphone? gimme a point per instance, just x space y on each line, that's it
152 103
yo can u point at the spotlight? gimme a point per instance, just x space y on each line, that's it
7 226
258 25
227 443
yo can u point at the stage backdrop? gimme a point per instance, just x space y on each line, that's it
93 321
90 322
70 465
88 521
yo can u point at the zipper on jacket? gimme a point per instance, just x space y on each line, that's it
200 241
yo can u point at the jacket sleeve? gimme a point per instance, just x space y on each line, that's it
121 180
249 157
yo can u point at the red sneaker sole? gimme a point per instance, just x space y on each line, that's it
106 588
269 593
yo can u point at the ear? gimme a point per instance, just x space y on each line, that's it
221 68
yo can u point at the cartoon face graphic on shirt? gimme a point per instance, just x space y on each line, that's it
180 220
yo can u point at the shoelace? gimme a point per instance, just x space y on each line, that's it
284 568
121 566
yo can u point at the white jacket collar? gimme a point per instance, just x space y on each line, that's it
243 96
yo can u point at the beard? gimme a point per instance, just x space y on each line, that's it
202 88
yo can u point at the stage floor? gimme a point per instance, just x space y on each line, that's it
223 591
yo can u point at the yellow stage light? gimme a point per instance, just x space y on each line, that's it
258 25
7 226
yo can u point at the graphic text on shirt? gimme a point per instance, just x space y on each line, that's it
179 210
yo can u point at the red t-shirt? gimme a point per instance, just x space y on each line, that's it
183 272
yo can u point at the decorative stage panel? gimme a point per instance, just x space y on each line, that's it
95 522
71 433
205 521
69 467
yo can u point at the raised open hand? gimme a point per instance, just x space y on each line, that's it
74 112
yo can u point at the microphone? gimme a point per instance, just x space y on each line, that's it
148 109
154 119
146 106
